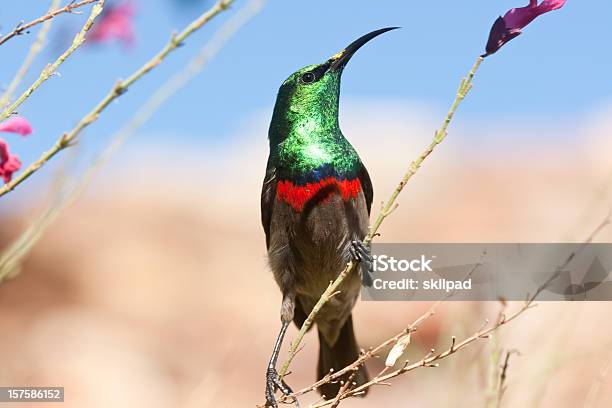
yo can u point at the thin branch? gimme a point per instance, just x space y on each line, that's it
493 377
181 78
602 225
440 135
373 352
35 49
50 69
120 88
502 376
343 389
21 28
12 257
431 358
427 361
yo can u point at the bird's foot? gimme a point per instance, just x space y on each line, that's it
363 254
273 383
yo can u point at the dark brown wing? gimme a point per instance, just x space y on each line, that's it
268 192
366 185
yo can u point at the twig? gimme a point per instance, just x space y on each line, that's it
35 49
345 387
373 352
12 257
440 135
181 78
52 13
50 69
432 357
492 387
602 225
120 88
502 376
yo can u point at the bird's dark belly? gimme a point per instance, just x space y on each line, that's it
309 249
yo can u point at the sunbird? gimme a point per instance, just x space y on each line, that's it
315 206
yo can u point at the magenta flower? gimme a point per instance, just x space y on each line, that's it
511 24
115 24
17 125
8 163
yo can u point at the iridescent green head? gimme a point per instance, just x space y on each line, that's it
304 132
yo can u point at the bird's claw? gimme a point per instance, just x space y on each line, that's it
273 383
363 254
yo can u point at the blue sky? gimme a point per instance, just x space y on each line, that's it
558 69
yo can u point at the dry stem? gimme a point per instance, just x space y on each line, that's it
50 69
35 49
431 358
21 28
120 88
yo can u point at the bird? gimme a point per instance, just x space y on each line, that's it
315 205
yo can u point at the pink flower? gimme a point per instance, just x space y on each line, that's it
17 125
115 24
8 163
511 24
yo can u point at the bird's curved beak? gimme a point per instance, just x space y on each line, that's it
339 61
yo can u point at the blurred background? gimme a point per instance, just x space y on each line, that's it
152 288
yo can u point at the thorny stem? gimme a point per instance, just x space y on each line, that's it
432 357
332 376
67 139
502 377
50 69
440 135
21 28
35 49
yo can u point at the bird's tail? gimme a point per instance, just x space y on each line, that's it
338 356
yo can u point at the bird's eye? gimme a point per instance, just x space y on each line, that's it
308 77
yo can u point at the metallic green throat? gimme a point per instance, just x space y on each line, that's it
305 134
306 144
